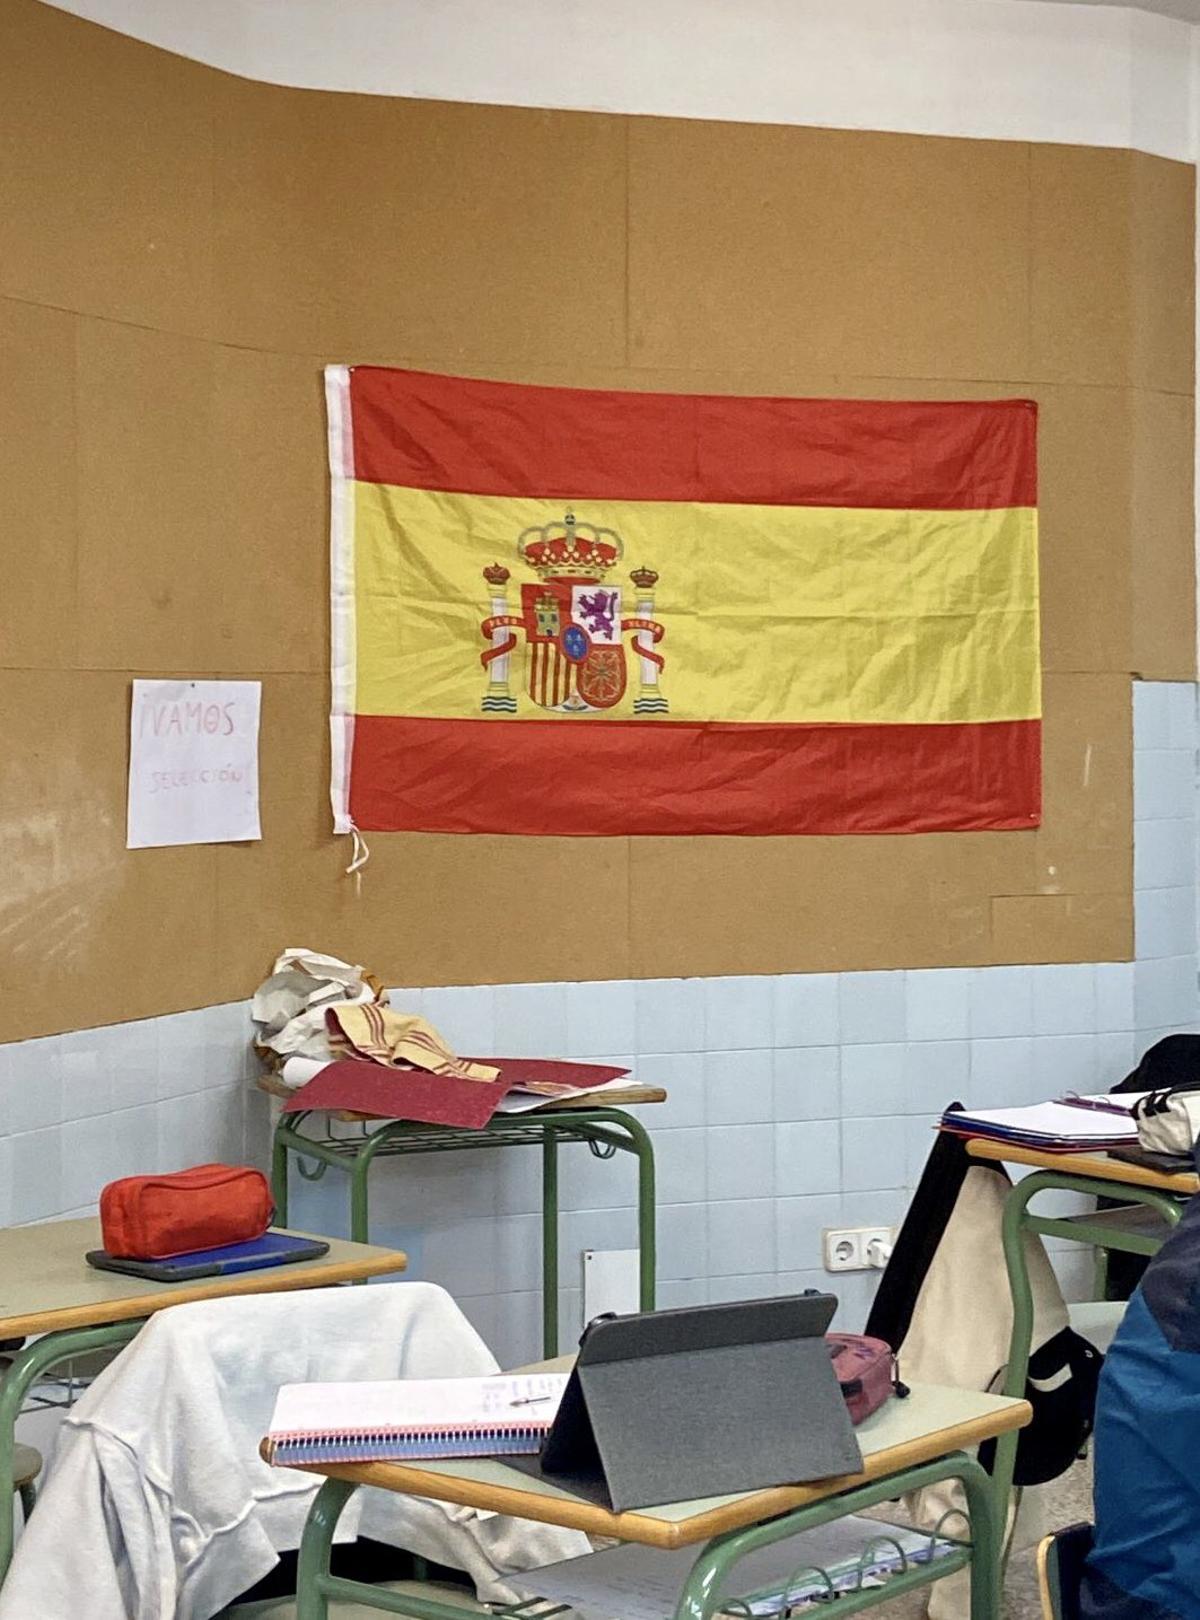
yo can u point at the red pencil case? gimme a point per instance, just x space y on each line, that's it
206 1207
866 1371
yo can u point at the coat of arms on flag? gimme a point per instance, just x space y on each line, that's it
590 612
575 659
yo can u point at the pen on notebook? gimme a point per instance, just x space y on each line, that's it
1095 1105
531 1400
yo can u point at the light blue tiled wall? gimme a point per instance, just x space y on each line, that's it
796 1103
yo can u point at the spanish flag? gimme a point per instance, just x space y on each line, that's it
565 611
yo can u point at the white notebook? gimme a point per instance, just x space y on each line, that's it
413 1419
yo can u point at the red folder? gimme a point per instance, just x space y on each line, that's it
363 1087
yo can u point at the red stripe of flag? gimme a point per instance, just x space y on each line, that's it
619 778
569 444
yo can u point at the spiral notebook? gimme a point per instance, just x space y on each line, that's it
413 1419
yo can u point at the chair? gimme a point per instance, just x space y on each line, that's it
1060 1562
27 1465
187 1405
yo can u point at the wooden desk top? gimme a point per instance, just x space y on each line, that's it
618 1097
46 1284
932 1422
1096 1165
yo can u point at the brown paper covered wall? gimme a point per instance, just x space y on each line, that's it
181 251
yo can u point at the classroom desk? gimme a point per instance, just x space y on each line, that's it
906 1445
47 1288
606 1128
1155 1203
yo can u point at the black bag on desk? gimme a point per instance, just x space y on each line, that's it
672 1405
1170 1064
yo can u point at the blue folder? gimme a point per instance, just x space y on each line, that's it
272 1249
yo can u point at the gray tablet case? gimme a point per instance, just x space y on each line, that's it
671 1405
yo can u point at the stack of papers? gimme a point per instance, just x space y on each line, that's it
521 1100
1071 1125
644 1583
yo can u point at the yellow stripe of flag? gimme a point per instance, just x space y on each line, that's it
772 614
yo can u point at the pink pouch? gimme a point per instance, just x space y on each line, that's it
866 1370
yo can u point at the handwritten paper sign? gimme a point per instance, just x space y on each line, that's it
193 763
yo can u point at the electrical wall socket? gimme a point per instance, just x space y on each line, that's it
857 1248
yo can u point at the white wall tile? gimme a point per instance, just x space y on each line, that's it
1165 922
1164 783
1114 996
406 999
586 1181
799 1225
1165 992
682 1241
872 1154
669 1015
676 1293
516 1176
920 1133
531 1020
517 1327
1164 854
726 1290
681 1075
464 1015
459 1255
806 1009
132 1059
806 1083
88 1151
807 1157
517 1253
741 1237
6 1179
37 1177
854 1290
1063 1063
871 1007
936 1074
737 1014
681 1164
740 1161
180 1039
594 1229
1181 705
33 1086
1002 1072
1116 1056
737 1087
883 1207
1064 999
873 1080
1001 1002
938 1002
87 1074
600 1018
227 1031
135 1142
1151 714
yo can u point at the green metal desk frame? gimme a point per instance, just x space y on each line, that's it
1103 1235
28 1365
715 1559
607 1131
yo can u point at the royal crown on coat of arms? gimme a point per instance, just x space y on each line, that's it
575 656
